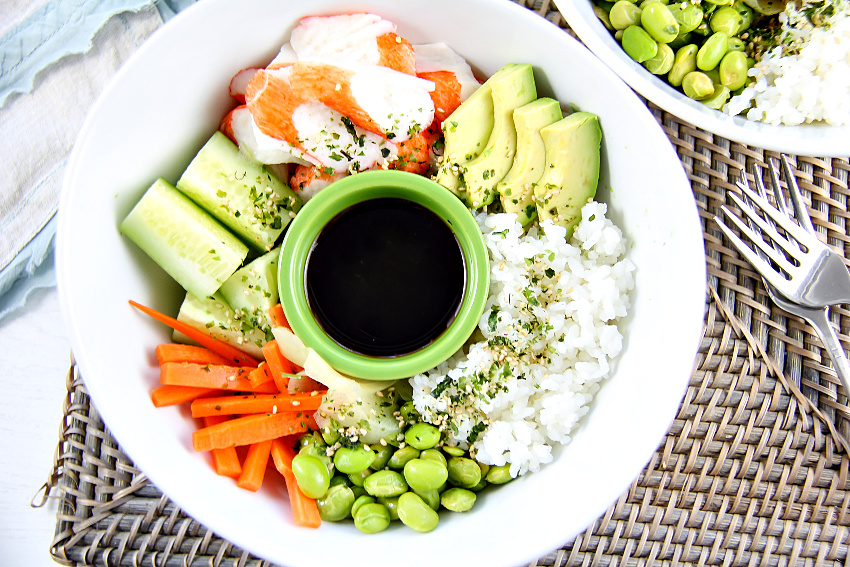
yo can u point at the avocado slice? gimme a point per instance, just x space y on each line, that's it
573 154
516 189
512 86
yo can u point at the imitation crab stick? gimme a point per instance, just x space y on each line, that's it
304 509
231 353
170 395
277 316
446 93
257 403
217 376
225 460
176 352
249 429
307 180
414 155
254 468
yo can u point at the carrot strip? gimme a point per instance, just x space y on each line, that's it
304 509
248 429
175 352
231 353
254 469
215 376
225 460
259 375
279 367
170 395
277 316
257 403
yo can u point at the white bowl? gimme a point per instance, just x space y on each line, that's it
816 139
159 110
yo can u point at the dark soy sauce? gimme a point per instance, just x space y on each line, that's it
385 277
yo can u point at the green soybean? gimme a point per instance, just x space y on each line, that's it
499 474
697 85
311 474
350 461
737 44
718 99
330 432
416 514
747 14
402 456
434 455
408 412
603 17
727 20
391 504
484 469
648 2
340 479
358 478
482 484
382 456
372 518
733 70
688 16
454 451
658 21
422 436
430 497
360 501
684 62
425 474
662 62
463 472
712 51
624 14
458 499
719 2
336 504
385 483
639 44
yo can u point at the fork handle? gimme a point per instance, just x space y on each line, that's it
819 319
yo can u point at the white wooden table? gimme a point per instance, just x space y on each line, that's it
34 359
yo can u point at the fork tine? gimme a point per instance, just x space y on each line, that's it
759 263
757 240
800 210
757 176
784 221
778 196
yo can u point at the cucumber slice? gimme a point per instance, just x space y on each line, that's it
239 192
186 242
252 290
214 316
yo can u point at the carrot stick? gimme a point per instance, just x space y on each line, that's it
304 509
175 352
279 367
248 429
257 403
211 376
259 375
225 460
170 395
277 317
231 353
254 469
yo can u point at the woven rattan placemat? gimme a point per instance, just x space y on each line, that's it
753 471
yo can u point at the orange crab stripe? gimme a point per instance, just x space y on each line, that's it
226 125
414 154
272 101
304 175
446 93
331 86
396 53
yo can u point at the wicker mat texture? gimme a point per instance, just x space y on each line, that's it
753 471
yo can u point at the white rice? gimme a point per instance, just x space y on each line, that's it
804 79
549 335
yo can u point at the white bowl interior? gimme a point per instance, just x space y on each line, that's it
816 139
160 109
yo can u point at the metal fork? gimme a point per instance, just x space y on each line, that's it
809 287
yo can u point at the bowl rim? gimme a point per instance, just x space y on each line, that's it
337 197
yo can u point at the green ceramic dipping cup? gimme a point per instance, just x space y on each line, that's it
324 207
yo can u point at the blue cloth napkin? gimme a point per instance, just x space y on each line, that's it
47 45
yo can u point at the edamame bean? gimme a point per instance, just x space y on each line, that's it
416 514
662 62
646 2
372 518
311 474
688 16
659 22
726 20
358 478
624 14
422 436
718 99
402 456
719 2
430 497
425 474
737 44
733 70
603 17
479 487
350 461
746 13
499 474
385 483
391 504
340 479
684 63
639 44
408 412
360 501
484 469
458 499
336 504
454 451
712 51
697 85
330 432
433 454
463 472
382 456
